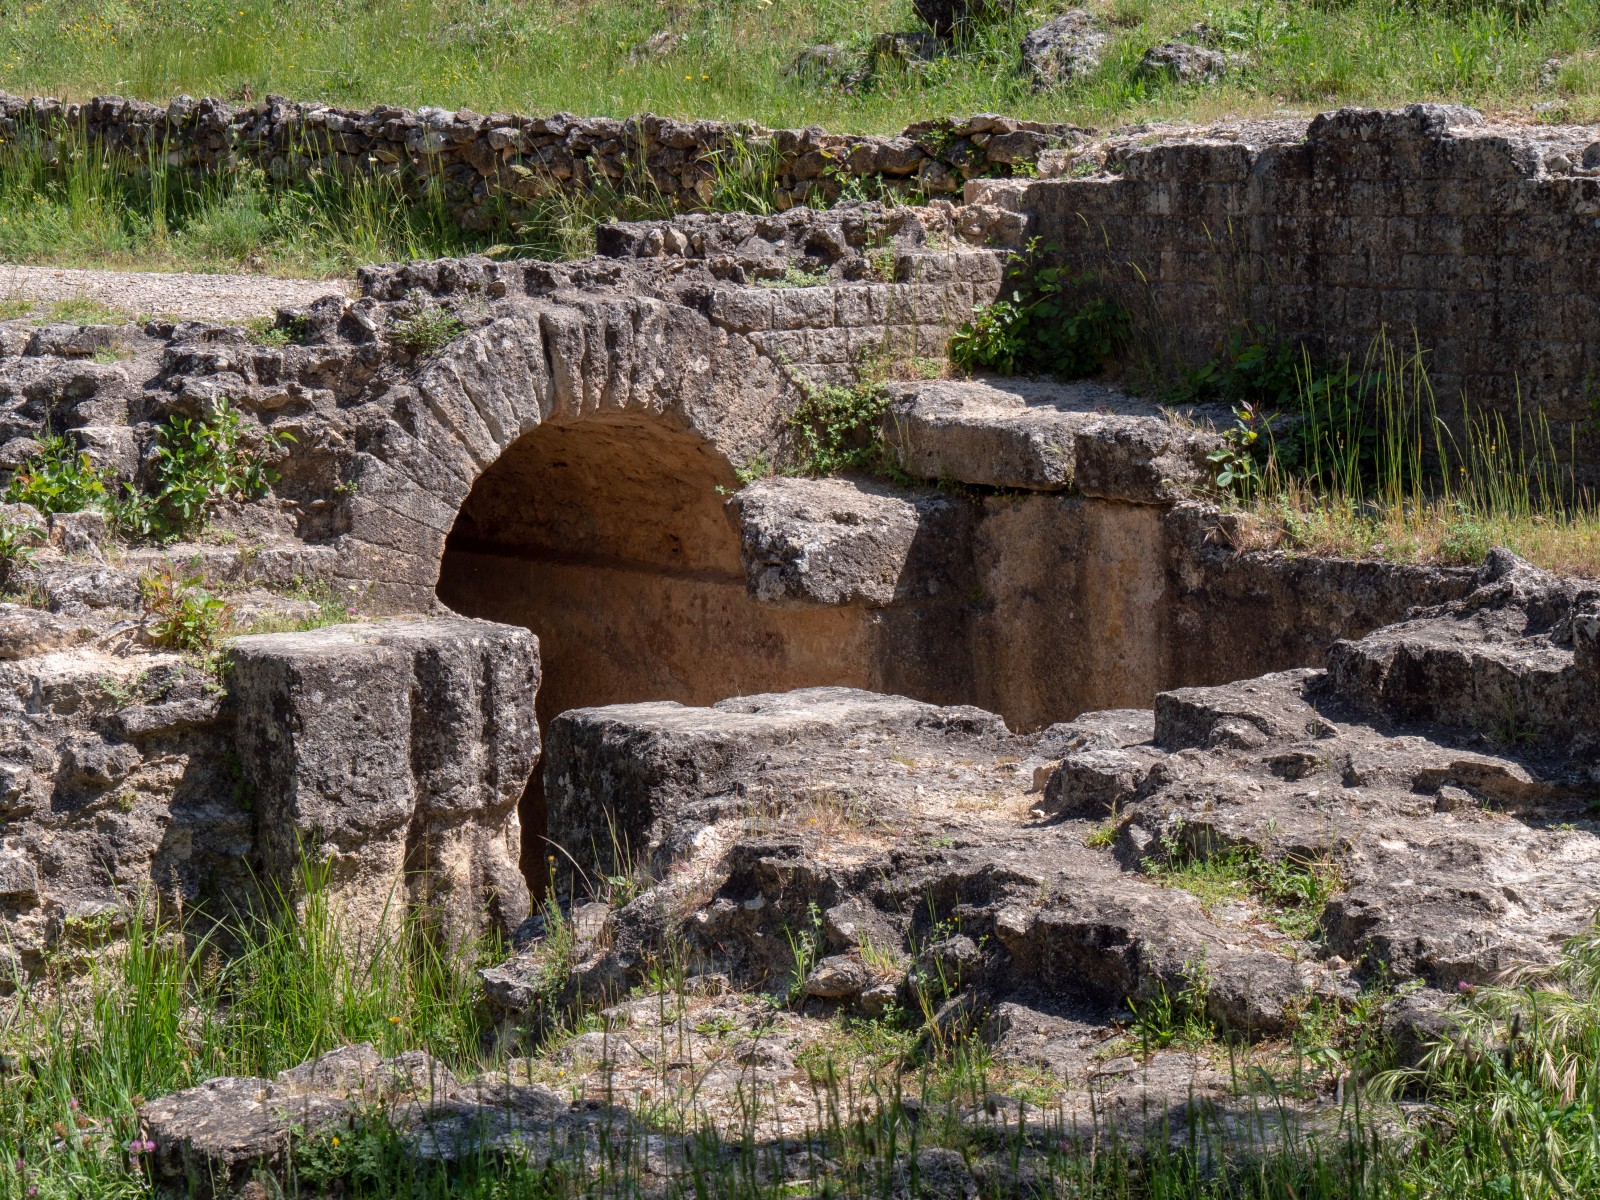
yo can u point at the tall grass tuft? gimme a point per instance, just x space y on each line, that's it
70 203
1509 1096
305 980
174 1002
1369 465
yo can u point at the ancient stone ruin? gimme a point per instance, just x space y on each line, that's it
946 724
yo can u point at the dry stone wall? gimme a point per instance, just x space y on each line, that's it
488 163
1478 238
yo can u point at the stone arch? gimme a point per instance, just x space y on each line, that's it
566 468
567 361
608 538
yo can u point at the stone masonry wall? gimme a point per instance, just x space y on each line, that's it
1479 238
484 162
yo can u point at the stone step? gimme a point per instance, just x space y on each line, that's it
1042 435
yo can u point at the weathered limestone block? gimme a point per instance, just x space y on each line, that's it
396 754
1427 853
1142 460
210 1139
842 541
987 434
215 1137
1448 897
1586 643
1041 435
1514 659
25 631
1065 48
647 772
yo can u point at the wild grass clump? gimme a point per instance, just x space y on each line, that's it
1291 891
174 1001
425 328
79 205
1507 1096
1364 463
1516 1085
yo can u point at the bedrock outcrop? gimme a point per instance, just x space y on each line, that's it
928 848
853 851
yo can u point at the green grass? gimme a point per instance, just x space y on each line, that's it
105 211
1291 891
1513 1092
168 1009
1365 462
542 57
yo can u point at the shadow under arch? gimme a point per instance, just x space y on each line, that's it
609 539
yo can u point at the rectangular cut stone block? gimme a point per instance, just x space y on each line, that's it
1045 436
394 754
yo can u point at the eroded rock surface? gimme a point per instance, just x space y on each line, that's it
393 753
1046 436
998 868
397 751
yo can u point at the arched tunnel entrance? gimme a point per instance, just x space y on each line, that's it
609 539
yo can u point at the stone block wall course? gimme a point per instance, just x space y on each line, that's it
1478 240
484 161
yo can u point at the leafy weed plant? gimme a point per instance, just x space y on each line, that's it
184 614
1043 327
18 541
59 478
1292 890
836 428
198 462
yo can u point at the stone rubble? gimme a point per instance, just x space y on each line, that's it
1013 884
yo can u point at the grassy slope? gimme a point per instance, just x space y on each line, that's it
543 56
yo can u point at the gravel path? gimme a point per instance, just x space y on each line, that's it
224 298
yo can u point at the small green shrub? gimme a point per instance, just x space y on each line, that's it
836 428
197 462
267 331
17 540
426 328
60 478
1040 328
795 276
995 339
1250 367
185 614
